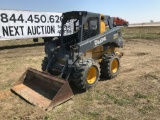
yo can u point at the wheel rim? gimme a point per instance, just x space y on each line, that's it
92 75
114 66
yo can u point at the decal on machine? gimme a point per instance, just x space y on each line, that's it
101 40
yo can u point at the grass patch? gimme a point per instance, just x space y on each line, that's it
46 117
139 95
145 109
141 32
110 118
125 100
19 42
120 102
151 76
94 114
6 85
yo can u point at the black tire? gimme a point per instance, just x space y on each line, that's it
108 69
44 63
82 78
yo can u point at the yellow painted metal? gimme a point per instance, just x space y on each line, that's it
110 50
114 66
92 75
102 24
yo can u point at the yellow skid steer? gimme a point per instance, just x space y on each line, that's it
82 53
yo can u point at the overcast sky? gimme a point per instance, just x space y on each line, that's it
132 10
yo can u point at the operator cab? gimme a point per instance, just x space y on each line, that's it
78 26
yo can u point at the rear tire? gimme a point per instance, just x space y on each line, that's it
110 65
86 74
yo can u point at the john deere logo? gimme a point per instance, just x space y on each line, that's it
97 42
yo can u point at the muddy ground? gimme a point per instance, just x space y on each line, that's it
134 94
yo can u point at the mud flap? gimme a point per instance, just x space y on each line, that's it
41 89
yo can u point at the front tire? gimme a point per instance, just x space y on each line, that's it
110 65
86 74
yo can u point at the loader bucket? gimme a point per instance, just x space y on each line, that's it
41 89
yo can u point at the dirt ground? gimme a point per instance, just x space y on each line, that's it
133 95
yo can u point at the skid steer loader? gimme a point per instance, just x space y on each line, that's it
82 56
